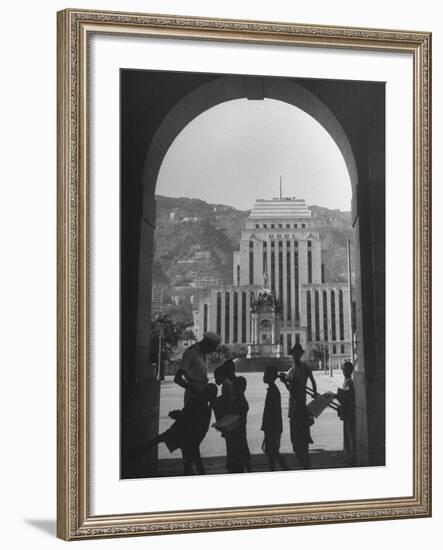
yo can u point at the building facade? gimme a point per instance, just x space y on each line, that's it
280 256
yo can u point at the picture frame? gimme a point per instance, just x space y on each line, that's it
75 399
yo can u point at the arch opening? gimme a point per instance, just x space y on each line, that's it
359 161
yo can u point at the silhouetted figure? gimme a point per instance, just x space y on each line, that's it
346 397
224 376
272 424
300 420
238 455
193 373
189 429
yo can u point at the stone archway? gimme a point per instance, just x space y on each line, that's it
365 163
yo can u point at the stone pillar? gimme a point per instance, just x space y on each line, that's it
140 388
370 276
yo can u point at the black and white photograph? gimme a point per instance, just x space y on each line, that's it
252 258
218 256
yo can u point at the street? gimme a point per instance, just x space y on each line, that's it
327 432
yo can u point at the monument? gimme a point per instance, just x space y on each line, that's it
265 324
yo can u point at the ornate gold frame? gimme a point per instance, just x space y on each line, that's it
74 29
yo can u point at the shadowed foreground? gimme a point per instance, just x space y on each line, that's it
216 464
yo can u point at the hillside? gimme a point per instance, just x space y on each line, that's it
195 239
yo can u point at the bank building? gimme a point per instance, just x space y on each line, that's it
279 295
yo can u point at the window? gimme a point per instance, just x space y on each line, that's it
296 282
325 316
334 335
342 349
251 262
205 318
309 262
288 225
218 328
303 225
295 226
334 349
288 283
227 314
243 317
317 317
273 274
272 225
257 226
235 330
308 311
341 315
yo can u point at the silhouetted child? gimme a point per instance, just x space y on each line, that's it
346 397
224 376
229 367
189 429
272 423
238 455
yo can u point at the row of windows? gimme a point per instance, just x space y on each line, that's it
280 225
316 327
280 244
236 313
334 349
273 277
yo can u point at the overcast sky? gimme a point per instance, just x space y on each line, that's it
237 151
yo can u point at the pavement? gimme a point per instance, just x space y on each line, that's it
327 431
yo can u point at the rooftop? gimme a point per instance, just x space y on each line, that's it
284 207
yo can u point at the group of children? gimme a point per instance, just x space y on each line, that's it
231 408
